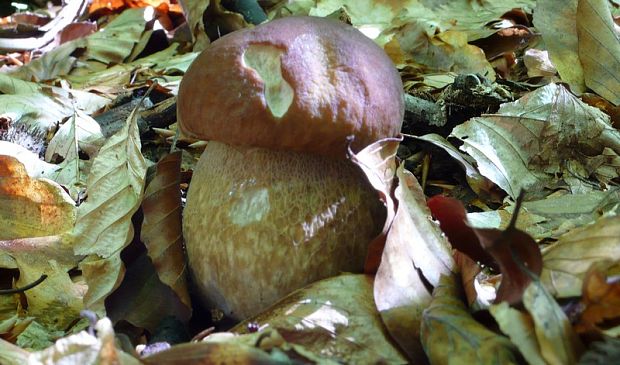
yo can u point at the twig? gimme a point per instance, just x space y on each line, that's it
23 288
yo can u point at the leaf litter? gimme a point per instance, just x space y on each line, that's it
549 143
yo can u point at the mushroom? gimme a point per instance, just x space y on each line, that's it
274 204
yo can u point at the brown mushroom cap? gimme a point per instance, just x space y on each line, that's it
298 83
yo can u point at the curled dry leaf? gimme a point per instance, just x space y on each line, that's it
335 318
31 207
452 218
415 253
450 335
600 299
518 257
566 262
161 229
378 162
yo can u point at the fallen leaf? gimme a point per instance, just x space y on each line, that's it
161 229
519 327
517 255
566 262
378 162
452 218
599 48
554 215
415 253
556 21
558 343
600 300
103 226
31 207
80 348
34 166
265 348
546 134
56 302
335 318
450 335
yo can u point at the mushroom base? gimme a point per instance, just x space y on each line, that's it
259 224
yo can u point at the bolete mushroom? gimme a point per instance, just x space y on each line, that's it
274 204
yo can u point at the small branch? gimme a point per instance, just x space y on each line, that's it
23 288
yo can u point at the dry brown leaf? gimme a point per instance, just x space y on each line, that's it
599 48
378 162
161 229
31 207
334 318
450 335
566 262
601 300
415 253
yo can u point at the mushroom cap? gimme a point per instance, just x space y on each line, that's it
298 83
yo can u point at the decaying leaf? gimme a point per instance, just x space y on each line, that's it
546 134
599 48
450 335
103 226
161 229
335 318
57 301
558 343
566 262
415 253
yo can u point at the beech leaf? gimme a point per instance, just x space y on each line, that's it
599 48
378 162
546 134
450 335
556 21
566 262
161 229
415 253
31 207
104 226
338 314
558 343
519 327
